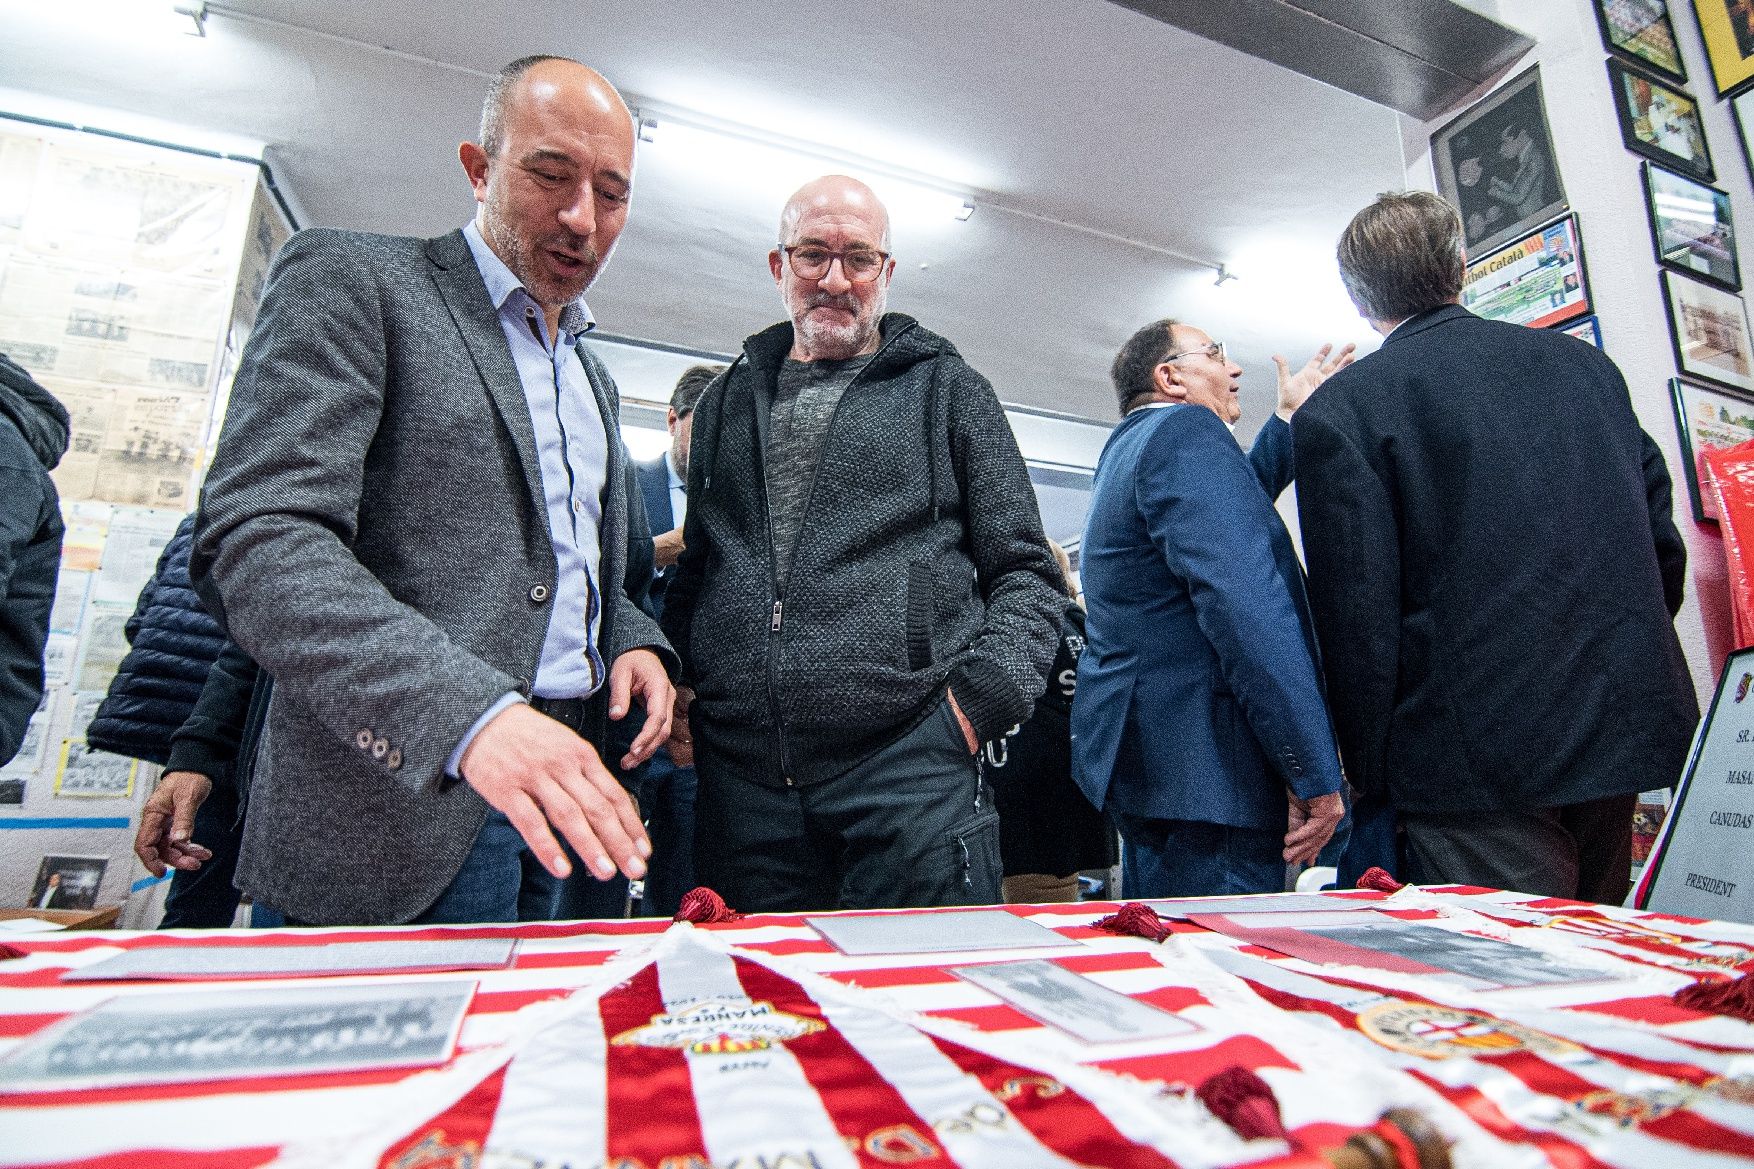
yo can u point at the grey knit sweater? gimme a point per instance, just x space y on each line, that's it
920 562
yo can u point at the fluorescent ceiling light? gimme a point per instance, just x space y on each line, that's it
197 14
775 165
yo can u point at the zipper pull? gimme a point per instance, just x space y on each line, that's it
774 627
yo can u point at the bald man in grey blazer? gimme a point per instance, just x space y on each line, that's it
416 524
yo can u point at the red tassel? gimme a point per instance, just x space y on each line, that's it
1245 1102
1380 880
7 952
1734 998
1136 920
704 907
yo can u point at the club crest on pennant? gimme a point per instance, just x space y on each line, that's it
719 1027
1442 1032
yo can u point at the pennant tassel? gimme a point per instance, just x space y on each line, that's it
1402 1139
1135 919
702 906
1379 879
1734 998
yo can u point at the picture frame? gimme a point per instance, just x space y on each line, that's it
1742 105
1691 227
1588 329
1659 121
1538 280
68 882
1709 329
1642 31
1495 164
1727 28
1706 419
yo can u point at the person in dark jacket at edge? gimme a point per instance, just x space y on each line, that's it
34 431
864 593
181 699
1048 830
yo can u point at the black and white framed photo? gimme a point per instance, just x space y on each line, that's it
1709 327
68 882
1495 163
1707 419
1643 31
1691 227
1659 121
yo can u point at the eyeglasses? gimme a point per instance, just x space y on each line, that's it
860 266
1216 349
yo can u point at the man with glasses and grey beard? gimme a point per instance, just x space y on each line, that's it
1199 724
865 594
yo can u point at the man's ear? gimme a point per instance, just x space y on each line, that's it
1167 382
474 160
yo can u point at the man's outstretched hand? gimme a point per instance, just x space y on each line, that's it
543 776
1295 388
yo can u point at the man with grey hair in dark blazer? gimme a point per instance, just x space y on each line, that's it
1494 569
416 524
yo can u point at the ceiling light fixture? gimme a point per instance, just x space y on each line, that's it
710 137
1224 275
197 13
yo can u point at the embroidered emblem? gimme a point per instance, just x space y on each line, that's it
1441 1032
1636 1108
720 1027
432 1151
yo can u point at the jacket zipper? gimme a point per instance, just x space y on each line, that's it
775 621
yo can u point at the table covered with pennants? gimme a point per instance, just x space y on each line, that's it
759 1043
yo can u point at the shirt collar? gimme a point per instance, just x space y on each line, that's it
502 285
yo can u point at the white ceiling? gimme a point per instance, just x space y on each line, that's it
1071 109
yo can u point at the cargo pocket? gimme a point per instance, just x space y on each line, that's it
974 849
920 603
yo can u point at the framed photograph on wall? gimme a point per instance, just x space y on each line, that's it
1707 419
1536 281
1659 121
1495 163
1690 227
1589 329
1709 327
1642 30
68 882
1743 105
1727 28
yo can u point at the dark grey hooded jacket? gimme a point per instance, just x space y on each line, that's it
33 436
921 564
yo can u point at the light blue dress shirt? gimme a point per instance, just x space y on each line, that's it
678 492
572 452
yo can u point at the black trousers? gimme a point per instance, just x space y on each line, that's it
912 826
1581 851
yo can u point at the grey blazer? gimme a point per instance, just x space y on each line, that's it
372 532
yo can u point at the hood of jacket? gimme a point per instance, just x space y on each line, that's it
42 420
903 342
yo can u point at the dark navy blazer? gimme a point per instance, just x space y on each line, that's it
1199 696
654 487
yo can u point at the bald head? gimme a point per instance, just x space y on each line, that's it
835 195
545 78
832 225
553 174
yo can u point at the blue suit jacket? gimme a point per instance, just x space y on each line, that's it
1198 693
654 487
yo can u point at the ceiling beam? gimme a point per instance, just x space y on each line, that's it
1423 58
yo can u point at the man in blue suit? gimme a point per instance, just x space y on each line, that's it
668 791
1199 724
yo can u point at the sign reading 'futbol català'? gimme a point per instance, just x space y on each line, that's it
1703 864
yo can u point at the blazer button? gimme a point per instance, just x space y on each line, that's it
539 593
363 740
380 748
394 760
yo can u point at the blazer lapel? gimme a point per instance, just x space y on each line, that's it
459 283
